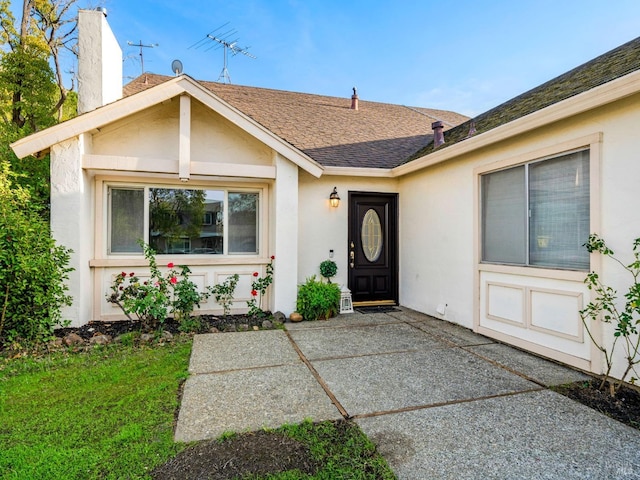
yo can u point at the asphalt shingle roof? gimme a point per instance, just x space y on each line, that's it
377 135
605 68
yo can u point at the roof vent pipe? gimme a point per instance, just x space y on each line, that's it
438 134
103 10
354 99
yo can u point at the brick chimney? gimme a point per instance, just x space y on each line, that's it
354 99
438 134
99 61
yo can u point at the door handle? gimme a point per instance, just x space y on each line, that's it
352 256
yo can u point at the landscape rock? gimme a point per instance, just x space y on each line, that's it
279 317
295 317
230 328
256 328
73 339
243 327
267 325
167 335
146 338
100 340
214 330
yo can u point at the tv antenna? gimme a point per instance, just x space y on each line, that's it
141 45
224 41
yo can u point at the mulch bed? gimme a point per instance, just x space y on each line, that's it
624 406
256 453
220 323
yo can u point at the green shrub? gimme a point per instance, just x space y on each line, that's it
33 269
318 300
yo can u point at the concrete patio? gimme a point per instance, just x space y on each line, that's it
438 400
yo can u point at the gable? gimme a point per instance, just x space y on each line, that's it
127 108
153 134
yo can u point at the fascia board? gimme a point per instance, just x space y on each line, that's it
112 112
358 172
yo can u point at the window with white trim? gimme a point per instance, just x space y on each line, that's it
537 214
183 221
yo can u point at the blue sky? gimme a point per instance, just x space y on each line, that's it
467 56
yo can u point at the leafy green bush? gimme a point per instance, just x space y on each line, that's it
318 300
328 269
33 269
223 292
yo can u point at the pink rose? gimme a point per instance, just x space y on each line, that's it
170 265
173 280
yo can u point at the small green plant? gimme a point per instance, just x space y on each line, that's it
318 300
191 325
223 292
606 308
152 300
328 269
259 287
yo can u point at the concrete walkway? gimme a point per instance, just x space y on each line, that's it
438 400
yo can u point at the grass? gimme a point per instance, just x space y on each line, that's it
342 449
109 413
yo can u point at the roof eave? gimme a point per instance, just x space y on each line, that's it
596 97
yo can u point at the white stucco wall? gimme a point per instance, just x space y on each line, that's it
99 62
436 245
283 224
72 223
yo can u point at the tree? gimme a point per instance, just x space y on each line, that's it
46 31
32 93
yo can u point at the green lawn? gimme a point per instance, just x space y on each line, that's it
103 414
109 413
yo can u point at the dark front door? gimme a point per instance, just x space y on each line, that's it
373 253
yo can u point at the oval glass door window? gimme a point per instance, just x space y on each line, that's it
371 235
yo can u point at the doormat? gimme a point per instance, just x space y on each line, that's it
377 309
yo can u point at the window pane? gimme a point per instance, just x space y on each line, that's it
559 204
186 221
243 222
127 220
504 216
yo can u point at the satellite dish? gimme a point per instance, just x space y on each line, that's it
176 67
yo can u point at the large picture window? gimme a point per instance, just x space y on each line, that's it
183 221
537 214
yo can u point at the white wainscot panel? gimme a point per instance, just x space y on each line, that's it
505 303
557 312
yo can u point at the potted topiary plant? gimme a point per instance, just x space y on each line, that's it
328 269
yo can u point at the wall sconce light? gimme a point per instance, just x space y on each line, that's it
334 199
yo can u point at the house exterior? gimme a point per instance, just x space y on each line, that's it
484 230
